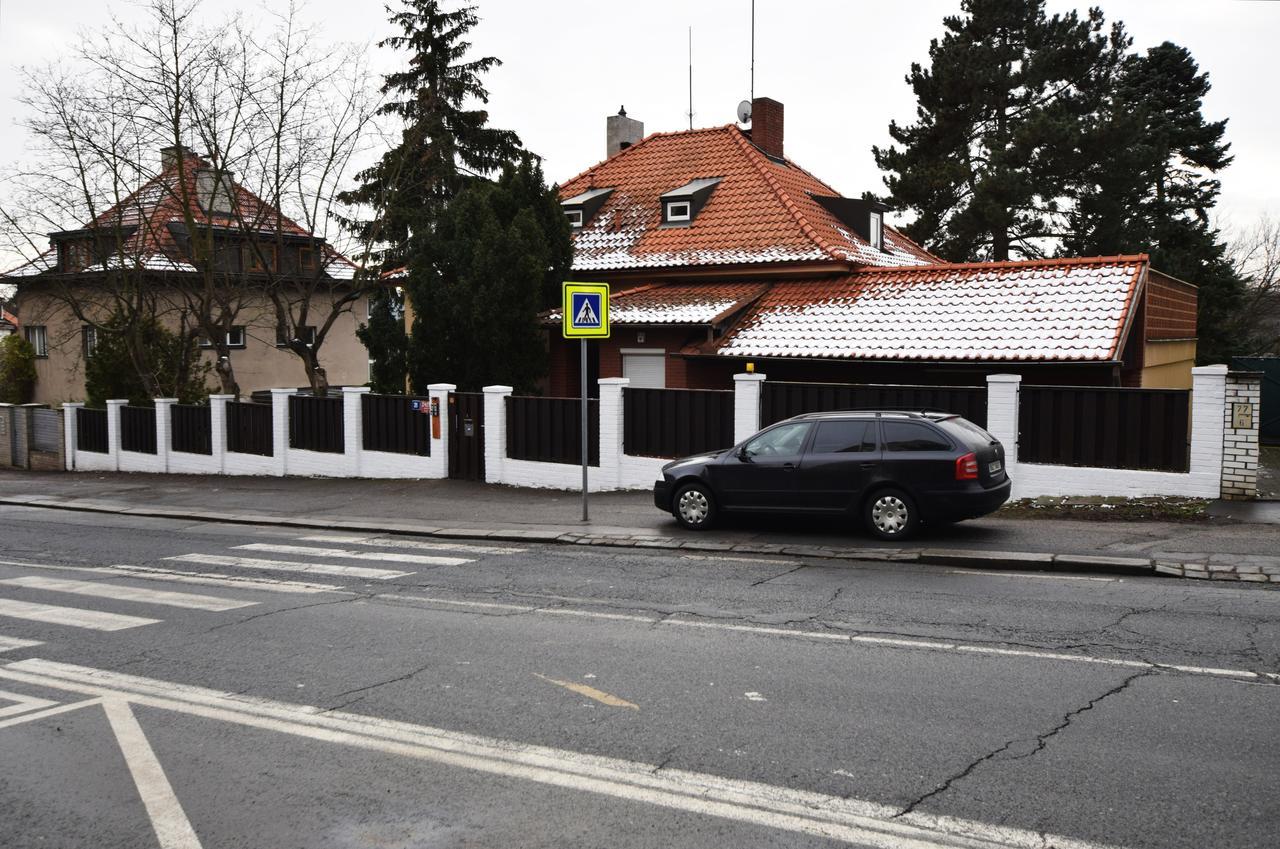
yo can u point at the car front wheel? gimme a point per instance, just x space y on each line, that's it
891 514
694 507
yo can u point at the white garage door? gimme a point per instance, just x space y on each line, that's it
646 369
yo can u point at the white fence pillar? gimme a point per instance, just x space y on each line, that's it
1208 396
70 434
1002 415
353 428
164 430
611 412
280 431
1241 404
438 393
113 432
746 404
495 431
218 430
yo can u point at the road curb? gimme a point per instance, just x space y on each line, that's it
987 560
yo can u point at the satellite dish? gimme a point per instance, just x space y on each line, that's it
744 112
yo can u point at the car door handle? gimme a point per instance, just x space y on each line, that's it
869 465
790 467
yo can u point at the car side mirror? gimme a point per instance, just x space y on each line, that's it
744 455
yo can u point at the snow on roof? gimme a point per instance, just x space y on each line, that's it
692 303
1043 310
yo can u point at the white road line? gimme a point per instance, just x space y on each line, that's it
36 716
21 703
11 643
348 554
214 579
764 561
836 636
288 566
1032 575
119 592
173 829
854 821
95 620
391 542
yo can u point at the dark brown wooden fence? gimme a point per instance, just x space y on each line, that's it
397 424
192 428
91 430
549 430
138 429
249 429
315 424
781 400
676 422
1104 427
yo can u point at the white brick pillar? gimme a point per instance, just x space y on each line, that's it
1208 395
280 430
746 404
612 399
495 431
1242 402
164 430
353 427
70 436
1002 415
113 432
438 394
218 429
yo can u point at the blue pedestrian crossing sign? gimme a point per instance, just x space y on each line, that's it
586 310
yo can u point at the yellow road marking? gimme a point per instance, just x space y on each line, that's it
590 692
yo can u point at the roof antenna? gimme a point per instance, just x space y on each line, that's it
691 78
753 51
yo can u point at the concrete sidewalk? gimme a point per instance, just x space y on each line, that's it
1227 550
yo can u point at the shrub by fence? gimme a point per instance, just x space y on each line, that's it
138 429
315 424
192 429
1110 428
782 400
249 428
549 430
676 422
391 423
91 430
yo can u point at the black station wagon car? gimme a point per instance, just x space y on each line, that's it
892 469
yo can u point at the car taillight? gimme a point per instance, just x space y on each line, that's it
967 468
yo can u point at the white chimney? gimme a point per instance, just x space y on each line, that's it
621 132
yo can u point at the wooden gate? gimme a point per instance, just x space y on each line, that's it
1269 406
466 436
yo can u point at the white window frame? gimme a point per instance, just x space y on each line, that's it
231 335
38 336
575 218
686 215
89 336
876 231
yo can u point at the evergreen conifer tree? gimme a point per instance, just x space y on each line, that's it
388 344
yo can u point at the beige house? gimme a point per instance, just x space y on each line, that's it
187 239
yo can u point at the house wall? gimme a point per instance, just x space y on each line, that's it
1167 364
564 366
259 365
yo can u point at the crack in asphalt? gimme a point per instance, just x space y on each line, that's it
365 689
266 613
780 574
1040 740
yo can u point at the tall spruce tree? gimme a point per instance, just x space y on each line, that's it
388 344
1149 187
1000 113
495 258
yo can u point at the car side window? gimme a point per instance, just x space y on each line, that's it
844 437
912 436
783 441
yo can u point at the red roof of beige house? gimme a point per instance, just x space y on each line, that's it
157 204
1046 310
762 210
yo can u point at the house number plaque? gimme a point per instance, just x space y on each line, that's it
1242 415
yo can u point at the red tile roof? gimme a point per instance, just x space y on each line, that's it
677 304
1055 310
762 211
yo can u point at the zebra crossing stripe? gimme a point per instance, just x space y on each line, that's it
289 566
120 592
389 542
348 554
95 620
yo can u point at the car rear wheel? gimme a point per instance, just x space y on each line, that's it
891 514
694 507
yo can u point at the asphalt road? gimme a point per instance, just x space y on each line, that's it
177 684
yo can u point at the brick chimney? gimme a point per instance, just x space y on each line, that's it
621 132
766 125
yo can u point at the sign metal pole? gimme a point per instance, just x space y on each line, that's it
585 419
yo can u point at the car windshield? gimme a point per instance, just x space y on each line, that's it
785 440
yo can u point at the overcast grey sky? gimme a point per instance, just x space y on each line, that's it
838 65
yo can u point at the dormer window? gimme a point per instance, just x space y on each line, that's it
864 217
876 230
680 206
579 209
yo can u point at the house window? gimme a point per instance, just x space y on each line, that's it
575 217
88 340
307 259
235 338
306 333
679 211
876 231
260 257
38 339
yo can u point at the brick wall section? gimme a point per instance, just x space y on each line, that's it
1240 445
766 125
1170 308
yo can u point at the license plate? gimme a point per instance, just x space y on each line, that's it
995 467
